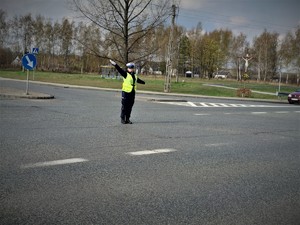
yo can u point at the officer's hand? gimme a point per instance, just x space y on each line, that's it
113 62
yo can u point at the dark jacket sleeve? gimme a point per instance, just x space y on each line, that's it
121 71
140 81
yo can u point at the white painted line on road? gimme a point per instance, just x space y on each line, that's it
54 163
256 113
217 144
149 152
176 103
232 113
297 111
282 112
201 114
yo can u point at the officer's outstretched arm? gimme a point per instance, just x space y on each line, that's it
122 72
141 81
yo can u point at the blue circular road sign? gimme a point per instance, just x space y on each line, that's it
29 61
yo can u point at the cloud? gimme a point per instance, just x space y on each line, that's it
54 9
192 4
238 20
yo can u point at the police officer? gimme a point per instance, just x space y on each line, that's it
128 89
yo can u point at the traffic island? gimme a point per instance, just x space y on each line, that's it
11 93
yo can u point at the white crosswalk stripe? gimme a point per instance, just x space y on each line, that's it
203 104
224 105
192 104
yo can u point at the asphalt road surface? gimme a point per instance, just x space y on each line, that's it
184 160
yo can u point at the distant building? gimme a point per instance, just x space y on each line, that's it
16 62
188 74
108 72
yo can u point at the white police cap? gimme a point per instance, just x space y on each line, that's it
130 65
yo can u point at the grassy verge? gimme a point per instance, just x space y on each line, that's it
189 86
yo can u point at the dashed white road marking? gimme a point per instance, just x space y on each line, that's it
256 113
149 152
232 113
54 163
281 112
218 144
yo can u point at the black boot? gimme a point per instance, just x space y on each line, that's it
123 121
127 120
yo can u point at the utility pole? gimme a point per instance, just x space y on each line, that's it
169 69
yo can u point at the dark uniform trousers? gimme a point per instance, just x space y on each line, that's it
127 104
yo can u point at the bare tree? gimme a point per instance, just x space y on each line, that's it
289 53
66 36
26 25
237 49
38 30
297 53
89 37
3 28
184 54
51 36
224 39
126 24
265 47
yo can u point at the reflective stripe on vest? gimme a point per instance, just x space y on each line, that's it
128 83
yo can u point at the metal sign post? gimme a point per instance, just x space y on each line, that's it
35 51
27 83
29 63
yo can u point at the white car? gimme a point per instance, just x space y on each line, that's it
220 76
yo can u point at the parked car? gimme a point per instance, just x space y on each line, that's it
220 76
294 97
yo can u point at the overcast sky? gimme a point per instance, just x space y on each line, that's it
248 16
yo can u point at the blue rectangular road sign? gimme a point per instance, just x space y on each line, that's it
35 50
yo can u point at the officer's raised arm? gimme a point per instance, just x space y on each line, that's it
119 69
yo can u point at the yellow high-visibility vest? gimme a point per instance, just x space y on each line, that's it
128 83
